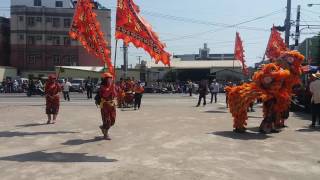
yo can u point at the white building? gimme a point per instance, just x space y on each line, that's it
43 3
222 70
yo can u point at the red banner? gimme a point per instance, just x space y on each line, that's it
276 45
86 29
239 54
131 27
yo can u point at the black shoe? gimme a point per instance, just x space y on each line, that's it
312 126
274 131
236 130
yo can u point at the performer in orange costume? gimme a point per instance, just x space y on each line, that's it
290 60
107 94
52 89
121 93
273 84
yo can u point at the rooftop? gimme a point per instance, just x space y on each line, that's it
198 64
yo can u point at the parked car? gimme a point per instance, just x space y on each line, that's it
77 85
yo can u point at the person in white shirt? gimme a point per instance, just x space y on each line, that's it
315 100
66 89
214 90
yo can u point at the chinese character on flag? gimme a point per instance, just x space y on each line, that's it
86 29
275 46
239 54
131 27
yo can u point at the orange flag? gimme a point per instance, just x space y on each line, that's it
276 45
86 29
131 27
239 54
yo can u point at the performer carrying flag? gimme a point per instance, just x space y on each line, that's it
107 96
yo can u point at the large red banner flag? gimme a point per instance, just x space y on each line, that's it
86 29
275 45
239 54
131 27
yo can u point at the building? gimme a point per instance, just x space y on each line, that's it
40 36
204 54
4 41
310 48
43 3
181 70
93 72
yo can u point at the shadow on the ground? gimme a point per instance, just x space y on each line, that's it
214 111
40 156
31 125
20 134
301 116
223 108
307 129
241 136
81 141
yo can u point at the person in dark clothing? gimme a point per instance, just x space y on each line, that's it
89 88
31 88
138 90
203 91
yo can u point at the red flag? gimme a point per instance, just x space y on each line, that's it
276 45
86 29
131 27
239 54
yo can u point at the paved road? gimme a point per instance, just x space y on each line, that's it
168 139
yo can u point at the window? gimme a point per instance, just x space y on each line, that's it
31 59
31 40
66 41
21 18
49 38
21 37
59 4
39 19
38 38
56 60
37 2
67 23
48 19
56 22
56 40
67 60
30 21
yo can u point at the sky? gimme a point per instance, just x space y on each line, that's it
185 25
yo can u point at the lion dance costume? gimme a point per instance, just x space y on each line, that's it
273 85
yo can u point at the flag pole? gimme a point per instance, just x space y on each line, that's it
115 59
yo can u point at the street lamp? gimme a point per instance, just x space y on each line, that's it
310 5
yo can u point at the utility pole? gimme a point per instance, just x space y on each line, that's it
288 23
125 60
297 35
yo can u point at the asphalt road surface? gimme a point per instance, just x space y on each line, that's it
167 139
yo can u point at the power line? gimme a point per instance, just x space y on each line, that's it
227 27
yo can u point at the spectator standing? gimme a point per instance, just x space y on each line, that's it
89 88
315 100
203 91
66 89
214 90
190 87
